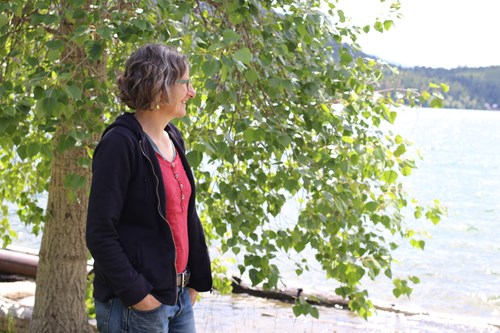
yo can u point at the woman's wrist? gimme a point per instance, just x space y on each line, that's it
147 303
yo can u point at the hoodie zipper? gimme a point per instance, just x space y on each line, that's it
161 215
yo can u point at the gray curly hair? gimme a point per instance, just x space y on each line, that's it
150 72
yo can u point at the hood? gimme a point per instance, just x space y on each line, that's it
127 120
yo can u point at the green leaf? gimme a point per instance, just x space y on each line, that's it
433 215
236 18
390 176
55 44
56 47
348 139
371 206
414 279
195 158
254 276
38 92
215 46
252 135
284 140
37 19
41 5
105 31
425 95
73 91
210 67
345 58
32 61
401 288
388 24
32 149
418 244
80 35
22 152
49 105
297 310
95 50
437 103
251 76
66 142
341 15
141 24
400 150
76 3
3 20
9 111
314 312
230 36
53 55
406 171
74 182
418 212
243 55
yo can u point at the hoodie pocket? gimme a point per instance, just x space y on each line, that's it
156 265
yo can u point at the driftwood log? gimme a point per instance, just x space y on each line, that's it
21 262
289 295
18 263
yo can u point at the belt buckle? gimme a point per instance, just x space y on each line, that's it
182 279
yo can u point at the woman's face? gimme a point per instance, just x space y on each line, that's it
180 92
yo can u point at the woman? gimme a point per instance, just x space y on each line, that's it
143 231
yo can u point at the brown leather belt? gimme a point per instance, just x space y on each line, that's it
183 279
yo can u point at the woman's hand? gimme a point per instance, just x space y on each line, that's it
193 294
147 303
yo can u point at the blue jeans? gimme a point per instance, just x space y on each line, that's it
114 317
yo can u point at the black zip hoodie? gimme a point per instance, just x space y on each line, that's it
127 232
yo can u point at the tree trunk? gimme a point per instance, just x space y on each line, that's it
62 269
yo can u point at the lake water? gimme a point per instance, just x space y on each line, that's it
460 267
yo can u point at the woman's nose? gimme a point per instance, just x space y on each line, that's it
191 91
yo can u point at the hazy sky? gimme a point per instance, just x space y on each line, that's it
433 33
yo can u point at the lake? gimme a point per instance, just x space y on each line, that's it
460 266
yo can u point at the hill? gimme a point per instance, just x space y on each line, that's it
470 88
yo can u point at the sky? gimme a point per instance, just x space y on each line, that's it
432 33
